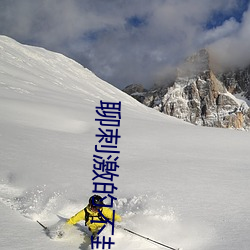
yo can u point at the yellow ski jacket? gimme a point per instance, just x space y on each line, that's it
93 227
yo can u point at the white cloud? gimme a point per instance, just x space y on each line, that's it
228 28
97 32
233 50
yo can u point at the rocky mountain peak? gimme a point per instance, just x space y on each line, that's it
196 64
200 96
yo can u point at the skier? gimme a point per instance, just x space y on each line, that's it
90 212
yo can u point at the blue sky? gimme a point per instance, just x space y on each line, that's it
131 41
218 17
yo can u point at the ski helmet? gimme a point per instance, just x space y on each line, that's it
95 200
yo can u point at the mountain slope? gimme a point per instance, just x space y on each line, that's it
183 185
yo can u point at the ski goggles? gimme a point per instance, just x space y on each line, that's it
95 208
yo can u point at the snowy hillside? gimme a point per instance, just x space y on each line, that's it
179 184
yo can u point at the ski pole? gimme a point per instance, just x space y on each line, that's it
45 228
159 243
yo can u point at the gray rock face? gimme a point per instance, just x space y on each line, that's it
237 81
137 91
201 97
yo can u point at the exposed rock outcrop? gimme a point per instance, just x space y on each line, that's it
201 97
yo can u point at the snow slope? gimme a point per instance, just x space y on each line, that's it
179 184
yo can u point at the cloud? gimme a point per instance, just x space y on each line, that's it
121 41
228 28
233 49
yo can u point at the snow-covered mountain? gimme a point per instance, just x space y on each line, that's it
237 81
201 96
182 185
